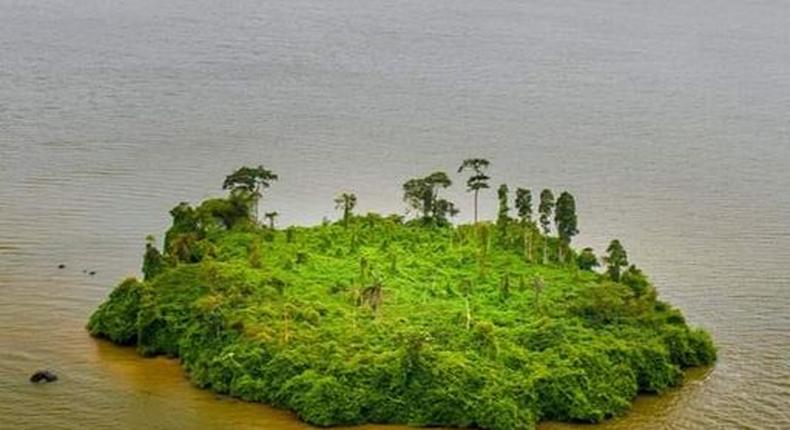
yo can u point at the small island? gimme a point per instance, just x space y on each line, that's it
387 319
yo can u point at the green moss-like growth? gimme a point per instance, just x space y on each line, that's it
375 321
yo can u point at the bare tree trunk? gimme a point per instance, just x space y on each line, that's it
529 247
256 198
476 191
545 250
560 254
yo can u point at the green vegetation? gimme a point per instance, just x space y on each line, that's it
376 319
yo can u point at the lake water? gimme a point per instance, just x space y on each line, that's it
669 120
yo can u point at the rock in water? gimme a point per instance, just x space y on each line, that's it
43 376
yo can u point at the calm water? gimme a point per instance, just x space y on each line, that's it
670 122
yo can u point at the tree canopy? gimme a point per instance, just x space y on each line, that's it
250 181
615 260
587 260
422 195
566 221
524 204
503 216
545 209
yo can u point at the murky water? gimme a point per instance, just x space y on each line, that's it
670 122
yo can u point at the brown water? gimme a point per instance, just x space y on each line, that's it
670 122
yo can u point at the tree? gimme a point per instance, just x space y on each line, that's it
587 260
224 213
271 216
347 202
479 180
566 221
153 262
422 195
616 259
546 208
444 209
503 216
524 209
524 205
250 181
185 221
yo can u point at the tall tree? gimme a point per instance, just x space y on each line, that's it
524 209
566 222
422 195
479 180
616 259
524 205
545 209
250 181
503 215
347 202
270 216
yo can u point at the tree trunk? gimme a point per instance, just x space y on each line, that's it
559 252
256 198
545 250
531 241
476 191
528 244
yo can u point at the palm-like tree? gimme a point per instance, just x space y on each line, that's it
270 216
347 202
479 180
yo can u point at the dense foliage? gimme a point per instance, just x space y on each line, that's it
374 320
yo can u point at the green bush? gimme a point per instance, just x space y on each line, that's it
116 318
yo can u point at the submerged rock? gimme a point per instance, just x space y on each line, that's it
43 376
61 266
